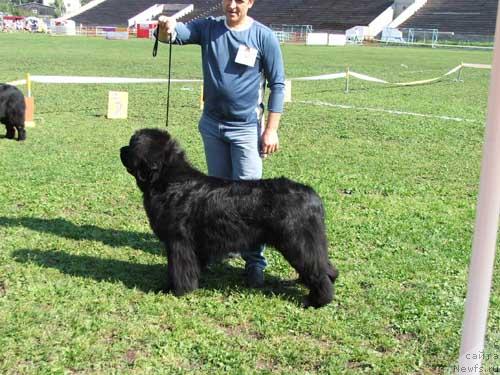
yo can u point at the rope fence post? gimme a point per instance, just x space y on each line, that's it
346 90
459 76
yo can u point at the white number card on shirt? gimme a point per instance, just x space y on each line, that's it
246 56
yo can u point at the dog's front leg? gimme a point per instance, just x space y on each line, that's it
183 267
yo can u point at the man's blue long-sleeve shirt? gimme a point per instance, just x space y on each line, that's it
233 92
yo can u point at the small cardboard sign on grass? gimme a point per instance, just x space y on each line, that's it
117 105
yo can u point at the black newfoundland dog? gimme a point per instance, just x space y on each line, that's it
12 109
199 217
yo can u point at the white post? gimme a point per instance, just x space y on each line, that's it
485 233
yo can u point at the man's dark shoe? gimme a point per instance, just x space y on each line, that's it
254 277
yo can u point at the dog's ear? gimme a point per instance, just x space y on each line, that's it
142 174
173 153
155 171
149 173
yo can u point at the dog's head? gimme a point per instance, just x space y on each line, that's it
148 155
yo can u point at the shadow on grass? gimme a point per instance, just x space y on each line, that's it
110 237
152 278
147 278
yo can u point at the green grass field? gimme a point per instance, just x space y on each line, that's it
398 173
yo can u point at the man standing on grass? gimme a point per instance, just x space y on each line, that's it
238 55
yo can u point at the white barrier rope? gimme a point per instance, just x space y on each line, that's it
86 80
94 80
366 78
322 77
378 80
477 66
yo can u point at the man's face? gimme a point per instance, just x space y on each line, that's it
236 11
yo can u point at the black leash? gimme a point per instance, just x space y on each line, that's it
155 52
169 72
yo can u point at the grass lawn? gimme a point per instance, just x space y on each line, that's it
397 168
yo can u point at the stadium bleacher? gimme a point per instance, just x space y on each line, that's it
458 16
114 12
322 15
203 8
462 16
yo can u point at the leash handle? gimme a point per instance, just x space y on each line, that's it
155 46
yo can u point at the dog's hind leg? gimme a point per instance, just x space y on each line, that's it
21 132
320 288
307 253
183 267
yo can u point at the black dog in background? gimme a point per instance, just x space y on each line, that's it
12 109
198 217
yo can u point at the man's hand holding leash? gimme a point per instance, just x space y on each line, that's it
166 28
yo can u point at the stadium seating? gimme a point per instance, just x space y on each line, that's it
116 12
337 15
322 15
458 16
203 8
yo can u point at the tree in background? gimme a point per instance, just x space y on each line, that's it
8 7
59 7
5 7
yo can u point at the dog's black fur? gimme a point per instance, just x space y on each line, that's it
198 217
12 110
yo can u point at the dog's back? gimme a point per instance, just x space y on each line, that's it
276 198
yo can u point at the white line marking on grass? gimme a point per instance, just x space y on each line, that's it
393 112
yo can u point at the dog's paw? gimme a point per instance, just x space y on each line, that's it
163 288
306 303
